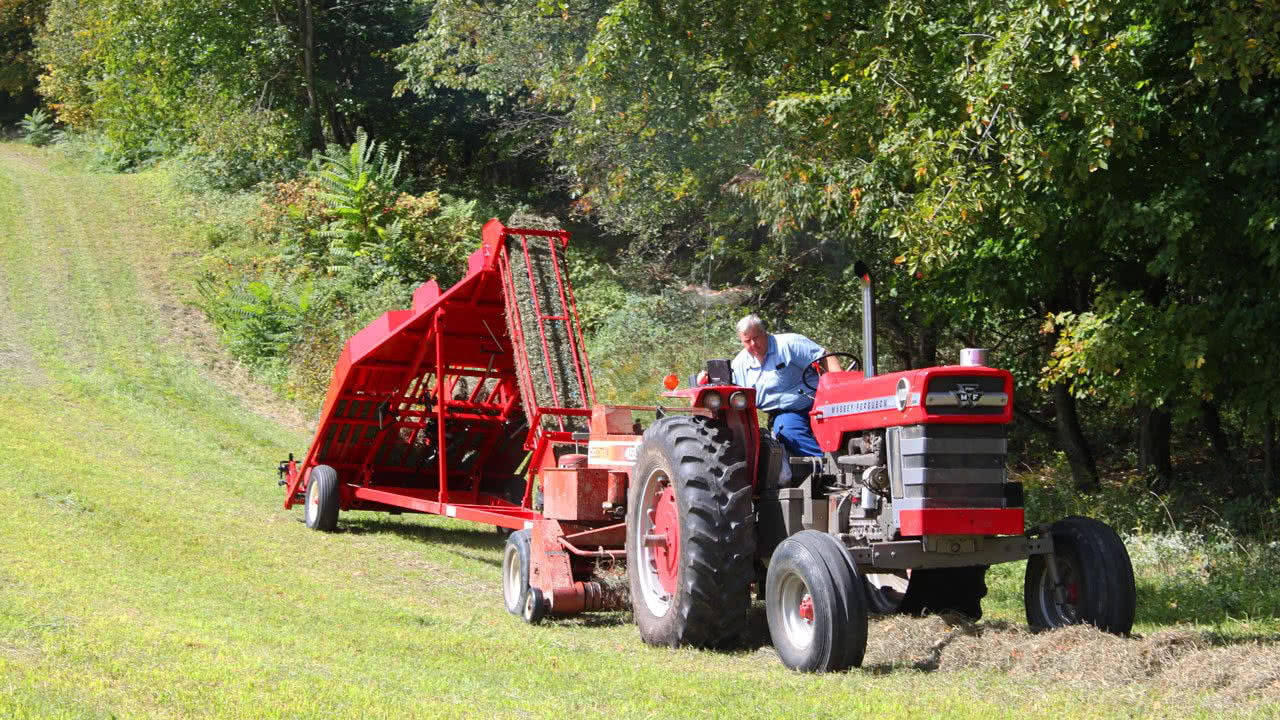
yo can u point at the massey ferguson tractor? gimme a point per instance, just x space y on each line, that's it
477 403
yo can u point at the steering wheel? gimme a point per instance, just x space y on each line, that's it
813 370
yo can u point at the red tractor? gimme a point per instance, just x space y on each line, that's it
477 402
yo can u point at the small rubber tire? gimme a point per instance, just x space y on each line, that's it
939 590
320 508
814 605
515 571
535 608
695 463
1095 567
849 592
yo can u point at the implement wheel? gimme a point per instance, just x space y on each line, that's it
515 571
816 607
1096 578
321 508
691 537
535 606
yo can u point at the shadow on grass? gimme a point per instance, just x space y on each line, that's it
613 618
478 538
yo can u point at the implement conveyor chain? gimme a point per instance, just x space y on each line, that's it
555 369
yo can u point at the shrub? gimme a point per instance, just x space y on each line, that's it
259 319
235 149
37 128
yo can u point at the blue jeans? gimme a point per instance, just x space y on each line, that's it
791 428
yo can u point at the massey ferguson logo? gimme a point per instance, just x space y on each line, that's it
967 394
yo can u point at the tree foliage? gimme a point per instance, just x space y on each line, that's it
1085 186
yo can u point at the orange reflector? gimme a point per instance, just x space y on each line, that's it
671 381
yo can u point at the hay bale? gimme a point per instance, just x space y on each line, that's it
552 372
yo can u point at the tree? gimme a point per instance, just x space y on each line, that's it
18 68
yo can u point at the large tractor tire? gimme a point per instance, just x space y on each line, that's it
515 571
887 590
691 537
1096 576
939 590
320 510
815 604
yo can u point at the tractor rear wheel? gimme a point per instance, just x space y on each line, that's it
691 537
1096 579
322 499
887 590
938 590
515 571
815 605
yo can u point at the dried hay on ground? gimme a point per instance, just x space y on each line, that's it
1224 673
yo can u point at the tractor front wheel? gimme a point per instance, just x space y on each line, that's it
815 605
322 499
1095 579
691 537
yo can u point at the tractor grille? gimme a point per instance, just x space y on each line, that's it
947 466
960 395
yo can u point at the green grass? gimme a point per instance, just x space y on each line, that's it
147 568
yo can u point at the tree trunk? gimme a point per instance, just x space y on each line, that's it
1269 455
1154 430
1084 472
1217 438
315 131
925 351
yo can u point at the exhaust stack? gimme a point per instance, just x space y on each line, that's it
868 320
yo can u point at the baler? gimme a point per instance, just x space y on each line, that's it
477 403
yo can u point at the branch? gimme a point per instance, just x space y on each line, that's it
1035 422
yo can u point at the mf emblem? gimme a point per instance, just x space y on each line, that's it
967 394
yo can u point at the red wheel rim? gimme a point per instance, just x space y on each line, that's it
805 610
666 555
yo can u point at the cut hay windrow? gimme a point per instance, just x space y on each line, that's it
1216 671
554 374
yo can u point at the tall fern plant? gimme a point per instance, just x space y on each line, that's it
359 186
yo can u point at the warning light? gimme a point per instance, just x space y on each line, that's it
671 382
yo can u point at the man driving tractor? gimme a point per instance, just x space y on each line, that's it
773 364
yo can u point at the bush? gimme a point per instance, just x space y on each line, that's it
651 335
235 149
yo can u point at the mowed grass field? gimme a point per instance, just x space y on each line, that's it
148 570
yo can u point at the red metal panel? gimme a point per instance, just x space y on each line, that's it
961 521
876 395
574 494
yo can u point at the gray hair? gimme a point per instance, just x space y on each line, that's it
749 322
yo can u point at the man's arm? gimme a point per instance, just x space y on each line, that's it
830 363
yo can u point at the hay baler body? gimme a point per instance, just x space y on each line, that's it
468 404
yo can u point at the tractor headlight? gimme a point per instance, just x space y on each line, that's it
903 392
712 400
738 400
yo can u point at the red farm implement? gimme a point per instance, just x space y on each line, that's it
476 404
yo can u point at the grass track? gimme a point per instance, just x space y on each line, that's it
148 570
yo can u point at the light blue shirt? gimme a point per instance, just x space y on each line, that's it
777 378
